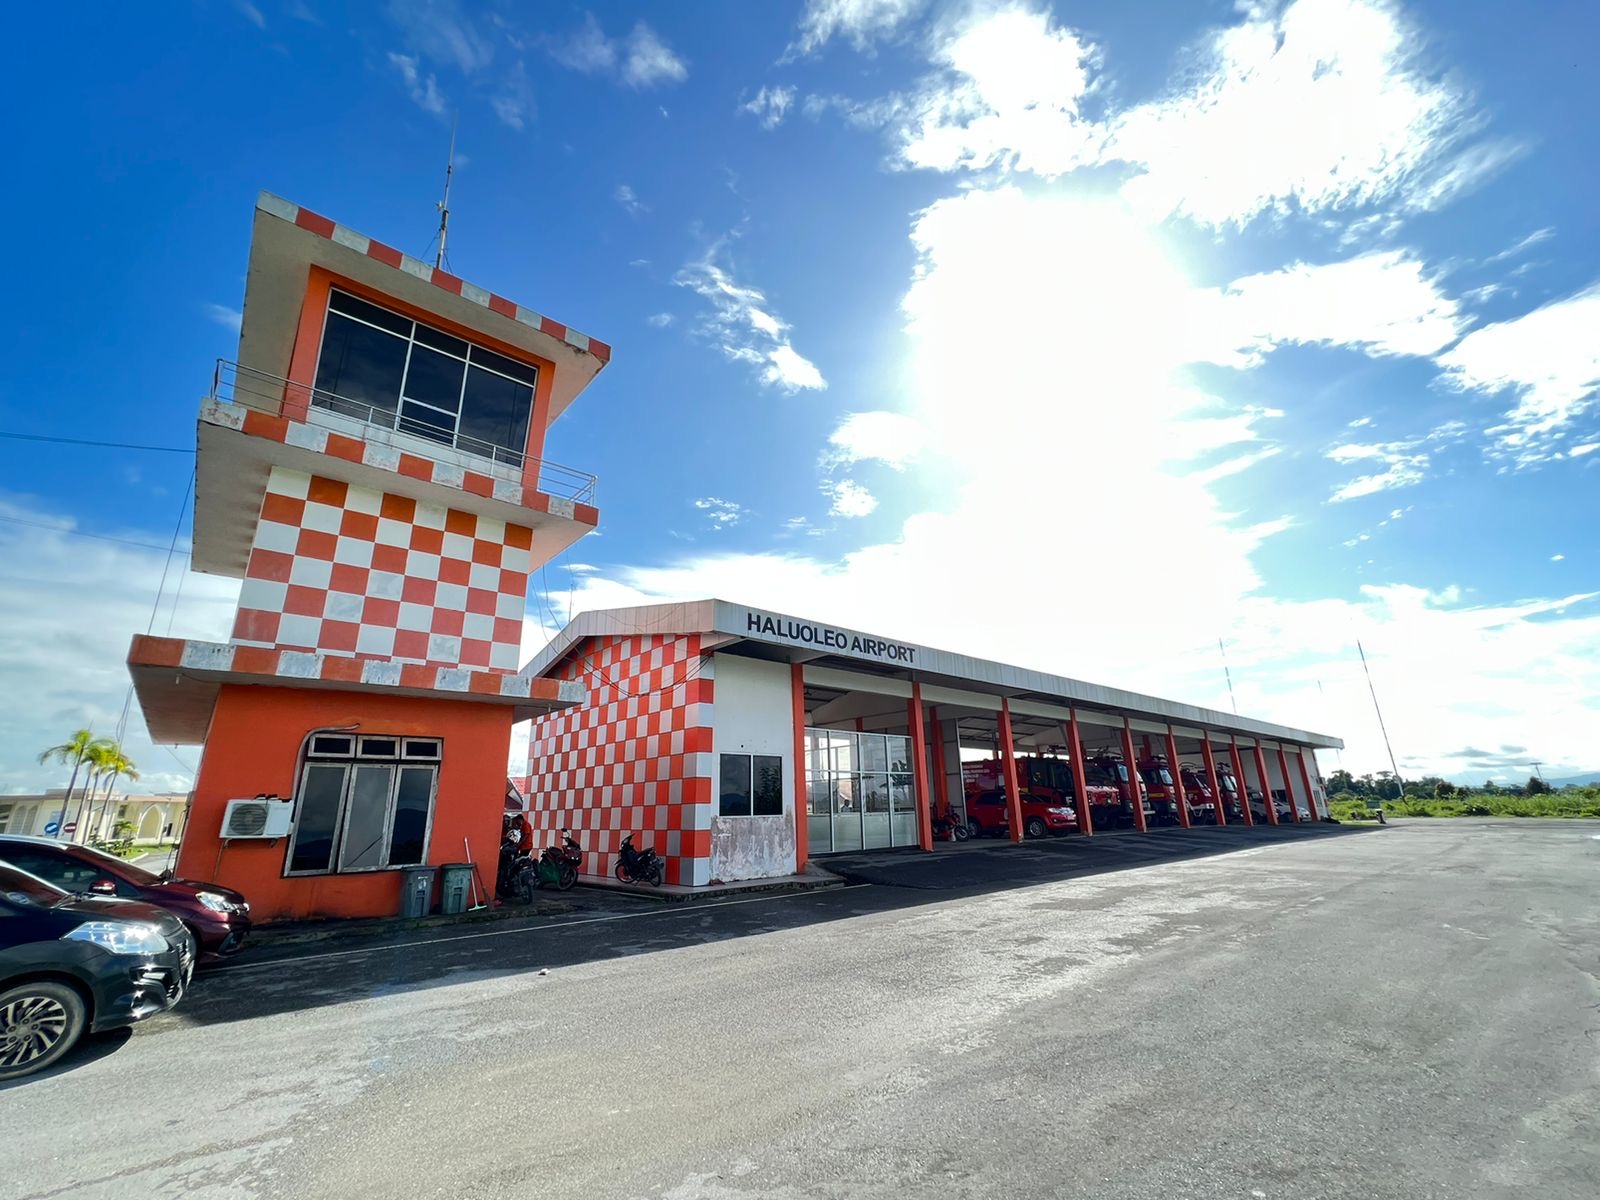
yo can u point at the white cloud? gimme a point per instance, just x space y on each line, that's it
649 61
721 513
770 105
849 499
1009 94
640 60
632 205
1521 244
423 88
861 21
887 437
1382 302
742 325
1404 463
1586 448
660 320
1548 358
588 50
1557 557
513 103
68 635
1319 104
441 32
250 13
230 318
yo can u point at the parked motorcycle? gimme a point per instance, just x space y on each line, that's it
560 863
643 866
947 827
518 873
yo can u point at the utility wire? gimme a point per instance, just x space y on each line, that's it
172 552
99 537
66 441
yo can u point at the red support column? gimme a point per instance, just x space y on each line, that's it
1240 782
1080 777
1008 759
941 785
1178 793
1212 781
802 834
1288 788
1266 786
919 761
1311 792
1134 788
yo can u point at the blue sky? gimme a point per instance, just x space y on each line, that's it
1069 334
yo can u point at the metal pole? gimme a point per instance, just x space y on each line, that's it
1393 766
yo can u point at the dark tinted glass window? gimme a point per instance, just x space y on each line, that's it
506 366
768 799
441 341
434 379
359 364
496 410
735 794
317 818
427 422
408 840
343 302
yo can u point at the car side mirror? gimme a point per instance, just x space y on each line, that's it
103 887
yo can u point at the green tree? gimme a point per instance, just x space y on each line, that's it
74 750
1342 781
115 765
1444 790
1535 787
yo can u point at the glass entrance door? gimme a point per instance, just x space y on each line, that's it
860 791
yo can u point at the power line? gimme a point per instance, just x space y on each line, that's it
66 441
99 537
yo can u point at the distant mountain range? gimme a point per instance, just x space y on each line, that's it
1589 780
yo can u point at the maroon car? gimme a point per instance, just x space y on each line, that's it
218 917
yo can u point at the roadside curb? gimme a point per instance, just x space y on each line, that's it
819 881
332 930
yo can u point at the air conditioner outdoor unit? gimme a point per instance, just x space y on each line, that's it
262 817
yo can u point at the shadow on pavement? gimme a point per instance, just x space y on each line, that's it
301 977
92 1048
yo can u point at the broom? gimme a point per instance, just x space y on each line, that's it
475 884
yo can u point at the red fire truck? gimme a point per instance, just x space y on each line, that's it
1048 781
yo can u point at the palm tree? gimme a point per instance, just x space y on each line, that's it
102 754
74 750
119 764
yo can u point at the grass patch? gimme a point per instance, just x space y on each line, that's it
1578 802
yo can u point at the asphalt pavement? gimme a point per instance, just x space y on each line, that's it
1314 1012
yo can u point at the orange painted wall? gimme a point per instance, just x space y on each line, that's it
252 746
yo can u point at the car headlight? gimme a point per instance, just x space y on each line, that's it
119 937
1060 812
215 902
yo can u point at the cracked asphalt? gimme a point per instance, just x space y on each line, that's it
1409 1012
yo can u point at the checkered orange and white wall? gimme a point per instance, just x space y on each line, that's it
350 570
635 758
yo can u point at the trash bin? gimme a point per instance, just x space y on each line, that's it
455 887
416 896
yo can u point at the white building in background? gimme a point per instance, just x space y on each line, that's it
153 816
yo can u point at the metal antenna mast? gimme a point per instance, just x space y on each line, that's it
444 205
1381 729
1226 674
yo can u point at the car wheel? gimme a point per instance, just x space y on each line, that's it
1035 828
39 1022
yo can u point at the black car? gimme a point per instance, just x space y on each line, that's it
217 916
71 964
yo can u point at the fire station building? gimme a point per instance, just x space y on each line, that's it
740 743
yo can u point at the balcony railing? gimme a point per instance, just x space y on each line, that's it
235 384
